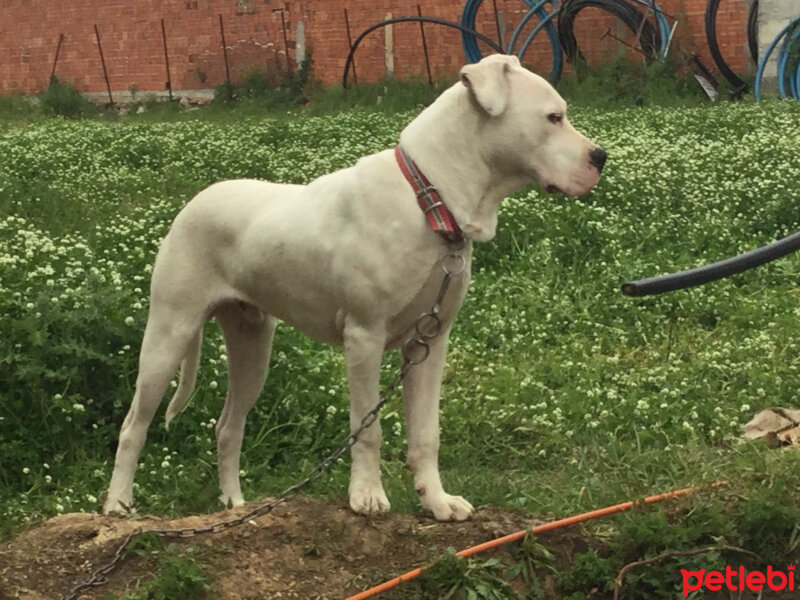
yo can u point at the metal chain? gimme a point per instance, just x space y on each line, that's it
415 350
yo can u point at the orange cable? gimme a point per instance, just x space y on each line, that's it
601 512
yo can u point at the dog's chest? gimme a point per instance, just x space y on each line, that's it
402 324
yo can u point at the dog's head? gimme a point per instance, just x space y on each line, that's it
526 129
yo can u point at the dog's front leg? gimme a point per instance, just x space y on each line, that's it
421 388
363 349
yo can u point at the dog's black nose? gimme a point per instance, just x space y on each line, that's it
597 158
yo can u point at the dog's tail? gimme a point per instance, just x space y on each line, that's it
187 379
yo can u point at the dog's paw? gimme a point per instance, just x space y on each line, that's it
366 500
118 508
231 501
447 508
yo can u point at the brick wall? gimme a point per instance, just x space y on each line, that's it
131 38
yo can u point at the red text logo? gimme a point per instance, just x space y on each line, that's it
737 580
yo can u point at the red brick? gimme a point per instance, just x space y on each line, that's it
132 43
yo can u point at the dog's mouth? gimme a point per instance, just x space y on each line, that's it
554 189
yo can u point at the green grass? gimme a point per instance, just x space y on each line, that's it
560 394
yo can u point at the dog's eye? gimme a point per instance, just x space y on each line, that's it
555 118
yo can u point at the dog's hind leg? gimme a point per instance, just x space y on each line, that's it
166 340
248 339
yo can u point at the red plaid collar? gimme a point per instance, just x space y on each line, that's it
439 218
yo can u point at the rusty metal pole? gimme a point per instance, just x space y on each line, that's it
224 50
285 43
55 60
350 43
166 59
425 47
103 62
497 24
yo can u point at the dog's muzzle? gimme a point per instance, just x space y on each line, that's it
597 158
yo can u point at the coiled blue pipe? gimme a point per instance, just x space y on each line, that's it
790 41
537 8
664 28
473 53
791 44
662 23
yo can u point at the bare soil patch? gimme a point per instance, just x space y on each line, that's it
307 548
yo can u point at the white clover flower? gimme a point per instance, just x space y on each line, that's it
47 479
26 470
77 407
129 321
213 385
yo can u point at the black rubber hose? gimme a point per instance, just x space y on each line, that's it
493 45
752 31
650 38
738 84
714 271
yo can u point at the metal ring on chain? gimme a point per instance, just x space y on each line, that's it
453 264
429 325
415 346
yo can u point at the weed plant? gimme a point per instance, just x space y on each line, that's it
63 100
178 571
276 88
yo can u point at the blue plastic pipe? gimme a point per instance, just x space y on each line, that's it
791 39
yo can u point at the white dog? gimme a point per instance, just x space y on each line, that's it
350 259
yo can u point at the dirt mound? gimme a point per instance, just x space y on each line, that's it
307 548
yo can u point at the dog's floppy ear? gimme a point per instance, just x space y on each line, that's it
487 82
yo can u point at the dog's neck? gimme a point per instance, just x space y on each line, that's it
452 160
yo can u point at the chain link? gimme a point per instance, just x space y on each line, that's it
415 350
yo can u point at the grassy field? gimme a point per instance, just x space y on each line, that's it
560 394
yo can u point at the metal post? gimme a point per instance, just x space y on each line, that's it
224 50
55 60
285 43
623 42
166 59
350 44
103 62
497 24
425 47
639 31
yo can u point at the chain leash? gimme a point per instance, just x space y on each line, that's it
415 350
